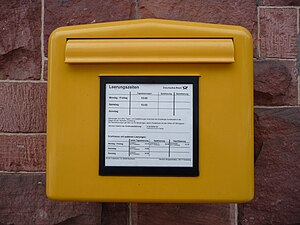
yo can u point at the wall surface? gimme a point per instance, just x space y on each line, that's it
25 26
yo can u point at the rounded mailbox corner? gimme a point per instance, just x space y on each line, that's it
248 198
56 195
245 32
50 195
55 34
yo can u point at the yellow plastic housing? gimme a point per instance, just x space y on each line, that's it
219 55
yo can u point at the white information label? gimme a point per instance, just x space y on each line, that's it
149 125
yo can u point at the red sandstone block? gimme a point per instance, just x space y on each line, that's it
277 171
115 213
278 32
239 12
23 202
23 107
178 214
22 153
20 39
275 82
280 2
46 70
64 13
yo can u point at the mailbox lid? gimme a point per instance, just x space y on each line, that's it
149 51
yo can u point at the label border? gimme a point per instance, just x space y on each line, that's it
149 171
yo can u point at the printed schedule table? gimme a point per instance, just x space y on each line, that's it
149 125
160 103
155 149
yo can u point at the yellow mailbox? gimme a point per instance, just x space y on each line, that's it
150 111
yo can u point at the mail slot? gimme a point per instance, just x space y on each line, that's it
150 51
150 111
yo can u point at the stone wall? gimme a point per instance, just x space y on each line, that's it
25 26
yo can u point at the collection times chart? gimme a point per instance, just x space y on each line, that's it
149 125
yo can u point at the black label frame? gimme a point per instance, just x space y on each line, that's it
149 170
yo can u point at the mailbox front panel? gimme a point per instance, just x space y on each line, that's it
81 56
